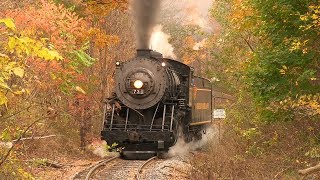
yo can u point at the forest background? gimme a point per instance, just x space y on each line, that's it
57 59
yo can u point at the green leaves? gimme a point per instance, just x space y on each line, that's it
5 135
284 63
80 60
83 58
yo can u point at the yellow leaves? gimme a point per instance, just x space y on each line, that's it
19 92
240 11
309 103
8 23
25 46
3 84
303 17
285 67
11 43
250 133
18 71
47 54
283 70
295 45
54 55
53 76
299 45
3 99
8 68
79 89
312 18
16 48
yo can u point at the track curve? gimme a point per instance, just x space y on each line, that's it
92 170
116 168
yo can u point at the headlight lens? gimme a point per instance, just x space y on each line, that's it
138 84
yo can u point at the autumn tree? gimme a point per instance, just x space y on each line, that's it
284 72
52 68
266 55
16 49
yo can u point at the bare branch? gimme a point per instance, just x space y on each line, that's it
16 113
309 170
23 134
32 138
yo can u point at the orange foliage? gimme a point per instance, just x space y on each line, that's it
191 55
240 10
63 28
101 39
102 8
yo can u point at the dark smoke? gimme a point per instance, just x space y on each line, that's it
145 12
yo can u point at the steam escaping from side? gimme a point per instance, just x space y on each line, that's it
199 45
159 41
98 147
145 12
182 148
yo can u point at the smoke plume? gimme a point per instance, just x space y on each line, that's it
145 12
160 42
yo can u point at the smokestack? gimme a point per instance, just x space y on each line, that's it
144 52
145 12
148 53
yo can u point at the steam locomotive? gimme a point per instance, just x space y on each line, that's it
155 101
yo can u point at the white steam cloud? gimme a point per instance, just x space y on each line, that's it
182 148
98 147
159 41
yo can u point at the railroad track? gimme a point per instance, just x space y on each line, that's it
116 168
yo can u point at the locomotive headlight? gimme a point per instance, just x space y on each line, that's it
138 84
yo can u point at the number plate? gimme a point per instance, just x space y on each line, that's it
137 91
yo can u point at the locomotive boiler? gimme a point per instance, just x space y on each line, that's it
156 100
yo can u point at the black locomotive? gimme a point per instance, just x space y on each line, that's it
156 100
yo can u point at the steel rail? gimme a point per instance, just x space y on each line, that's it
102 163
143 165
